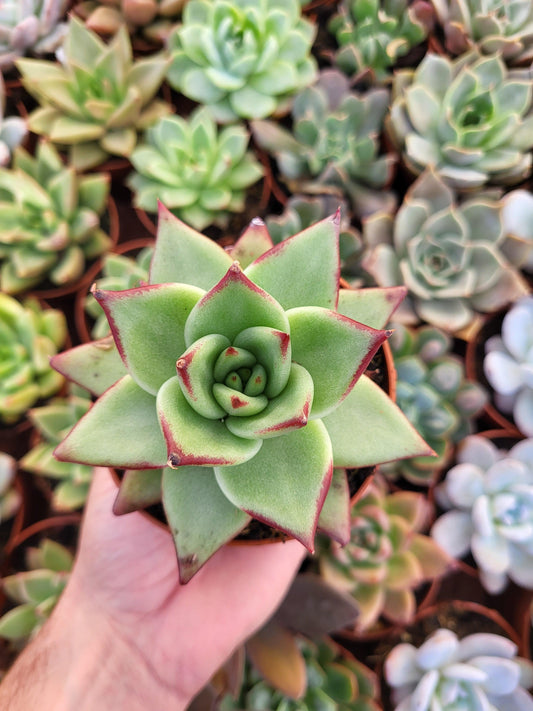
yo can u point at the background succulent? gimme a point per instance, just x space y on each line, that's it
508 365
517 215
36 590
490 26
387 557
435 396
13 129
373 34
49 220
30 26
53 422
198 171
119 272
153 18
97 100
244 58
29 336
334 143
469 118
259 347
490 496
480 671
449 254
10 497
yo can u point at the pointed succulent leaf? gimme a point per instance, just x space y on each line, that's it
372 306
139 489
285 484
95 366
334 518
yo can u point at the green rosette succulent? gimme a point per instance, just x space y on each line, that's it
234 386
435 396
489 26
30 26
449 253
199 172
10 497
53 422
97 99
387 556
470 119
35 591
334 143
49 220
374 34
244 58
154 19
335 680
29 336
119 273
13 129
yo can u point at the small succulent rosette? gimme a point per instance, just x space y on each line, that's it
242 59
488 497
490 27
453 255
470 119
233 386
479 671
508 365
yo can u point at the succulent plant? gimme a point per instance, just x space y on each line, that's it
334 143
517 215
29 337
119 273
302 211
335 680
52 422
198 172
479 671
449 254
49 220
13 129
490 496
153 18
9 495
373 34
244 58
36 590
508 365
97 100
233 393
30 26
387 557
490 26
435 396
469 118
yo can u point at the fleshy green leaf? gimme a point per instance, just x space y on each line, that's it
285 484
335 515
373 307
95 366
139 488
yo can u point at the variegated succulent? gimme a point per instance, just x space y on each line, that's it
245 58
13 129
374 34
49 220
449 253
435 395
97 99
119 273
488 497
198 171
53 422
29 336
154 19
30 27
387 556
237 385
490 26
334 143
470 119
35 591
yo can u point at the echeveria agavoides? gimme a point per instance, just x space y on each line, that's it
236 387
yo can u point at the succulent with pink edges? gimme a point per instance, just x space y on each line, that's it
232 388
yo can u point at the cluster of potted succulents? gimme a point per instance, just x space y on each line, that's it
298 220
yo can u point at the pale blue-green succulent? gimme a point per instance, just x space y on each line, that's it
234 385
